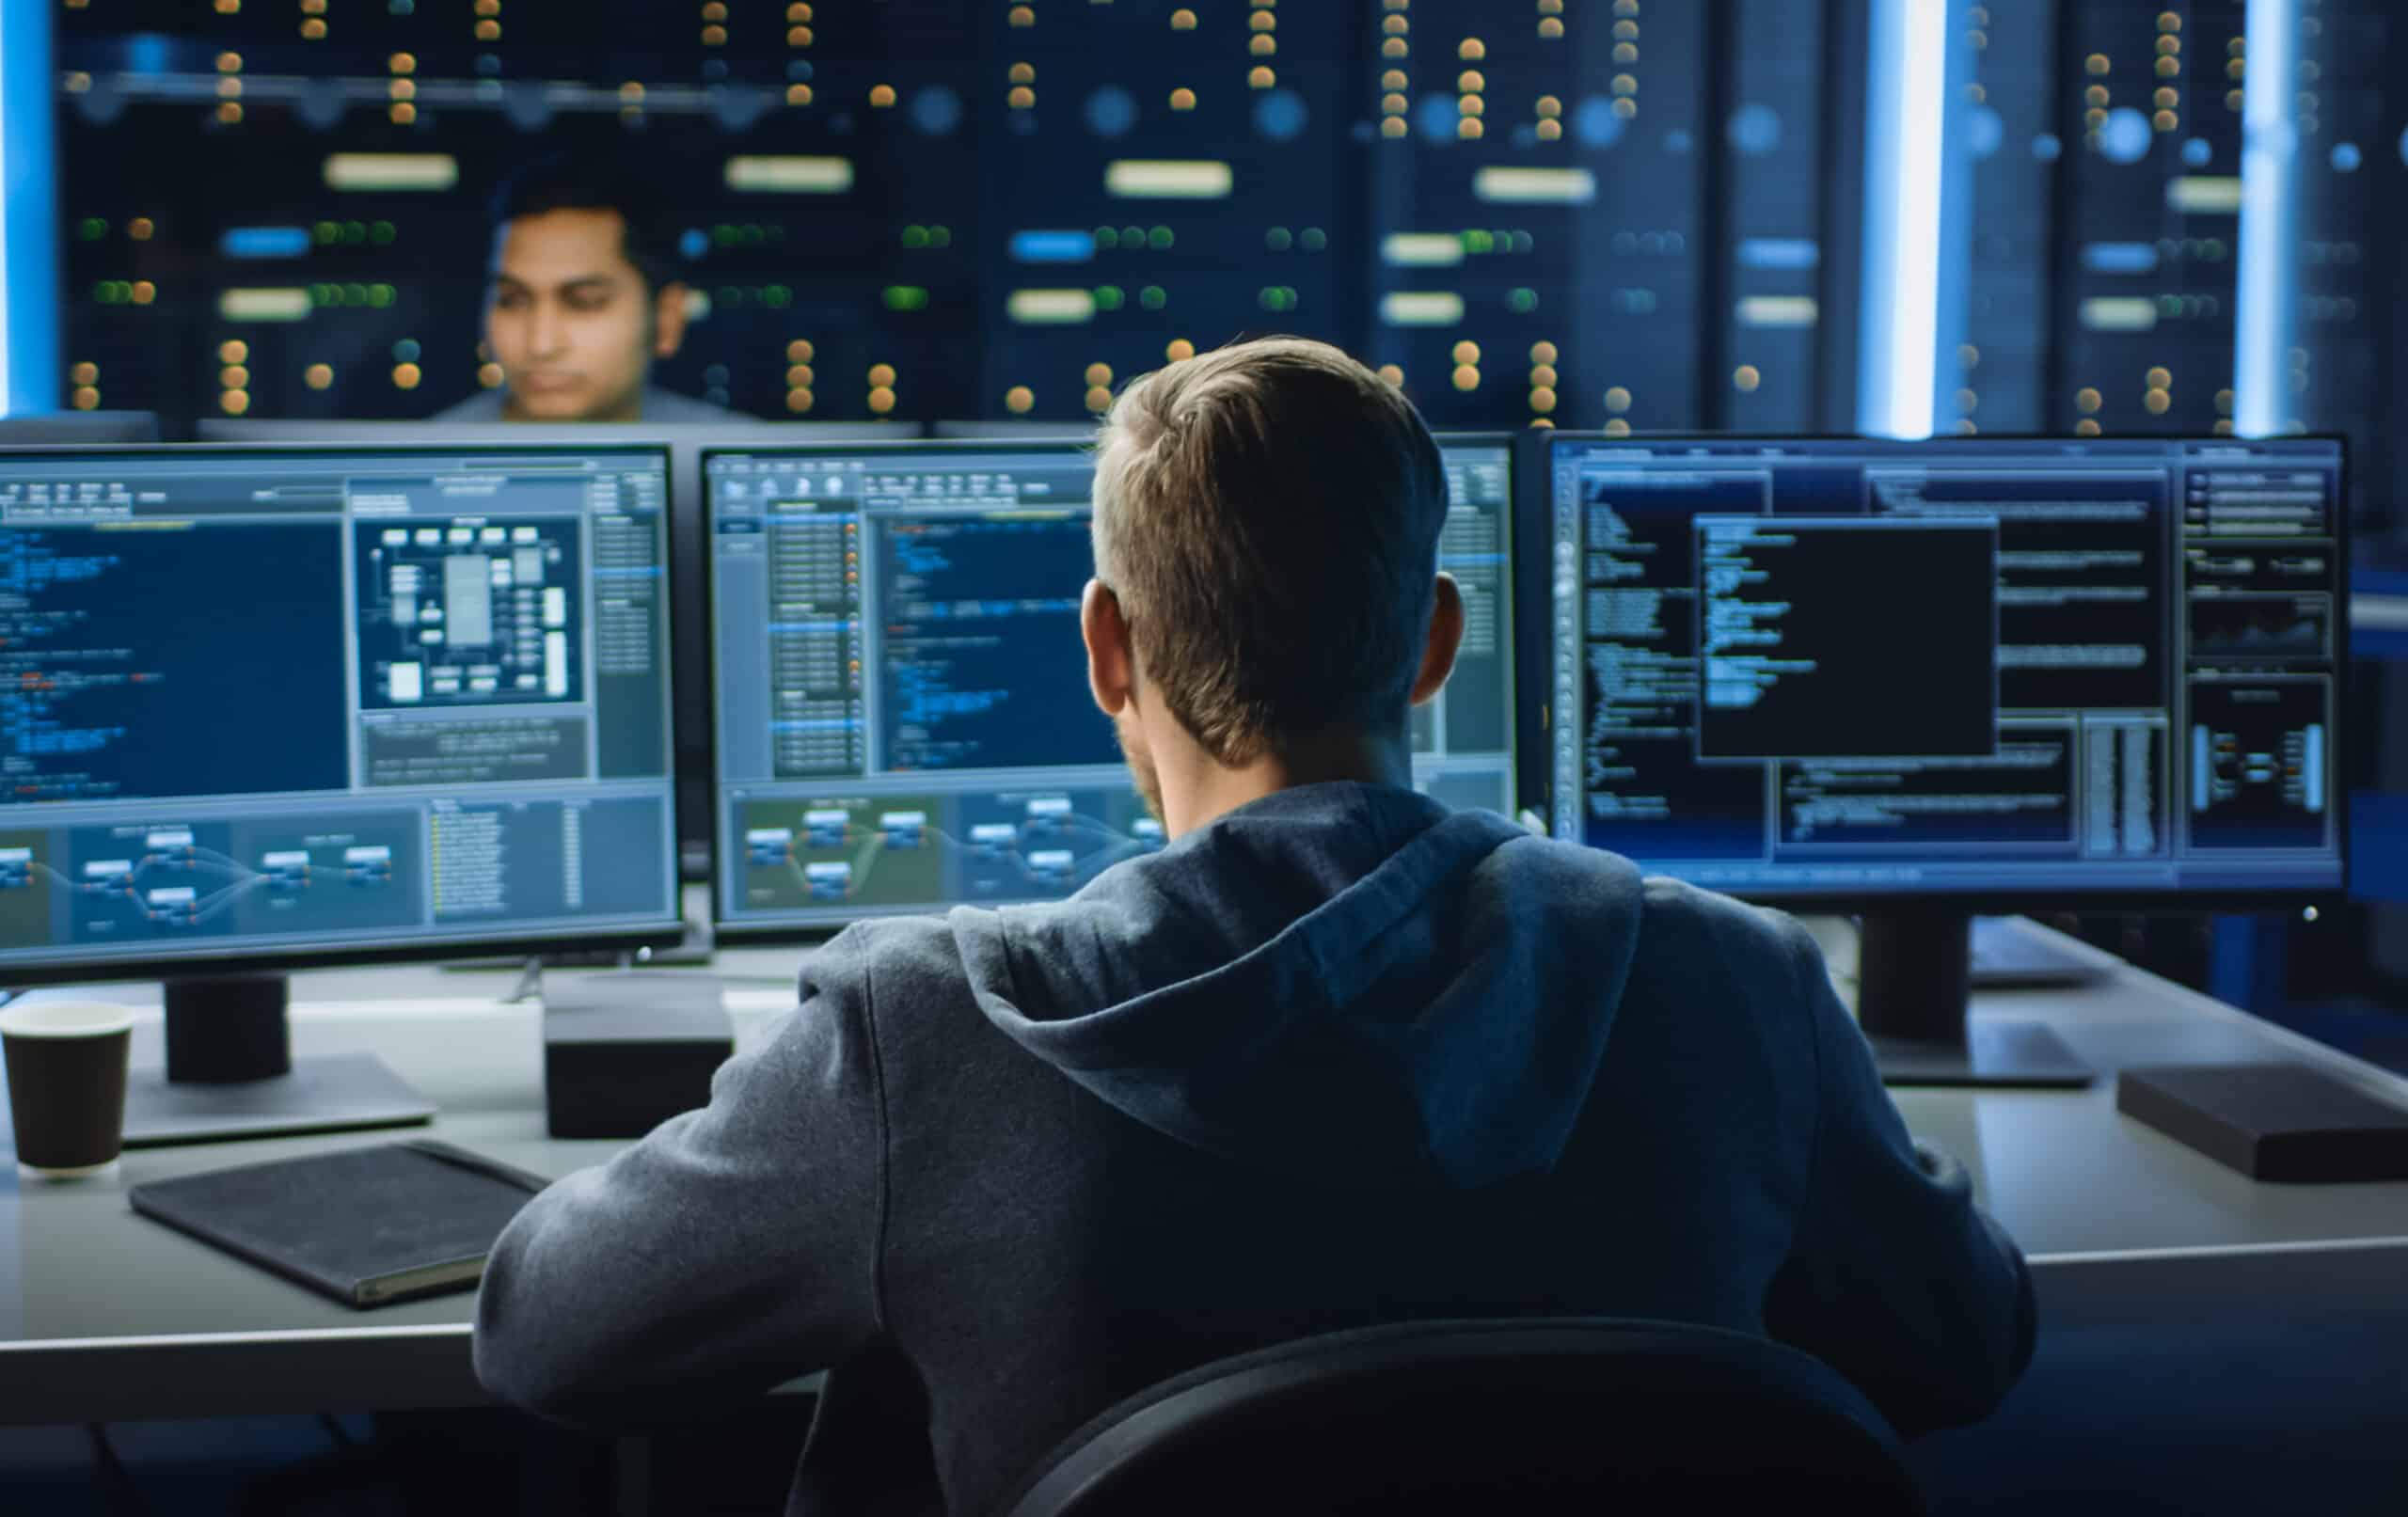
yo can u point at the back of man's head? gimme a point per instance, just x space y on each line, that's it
1268 518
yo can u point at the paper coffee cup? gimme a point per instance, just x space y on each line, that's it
66 1063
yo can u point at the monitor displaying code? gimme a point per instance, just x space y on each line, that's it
1803 667
308 703
904 723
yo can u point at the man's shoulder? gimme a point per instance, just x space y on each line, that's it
668 406
1691 936
484 406
883 964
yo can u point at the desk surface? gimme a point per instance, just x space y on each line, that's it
104 1315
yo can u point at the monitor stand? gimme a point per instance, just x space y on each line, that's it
1913 979
230 1073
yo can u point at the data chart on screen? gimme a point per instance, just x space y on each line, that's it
308 701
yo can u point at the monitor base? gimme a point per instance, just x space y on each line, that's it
335 1094
1914 980
1994 1054
2005 957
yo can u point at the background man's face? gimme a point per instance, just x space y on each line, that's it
569 319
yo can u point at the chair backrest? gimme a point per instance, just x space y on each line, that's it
1520 1416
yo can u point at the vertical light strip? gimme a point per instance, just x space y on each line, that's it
1904 132
29 290
2269 156
9 28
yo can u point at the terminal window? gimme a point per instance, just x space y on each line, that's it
209 739
1841 666
1823 638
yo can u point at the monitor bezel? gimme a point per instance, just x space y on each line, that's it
1535 512
235 958
751 932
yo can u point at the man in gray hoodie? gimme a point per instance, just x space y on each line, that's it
1334 1056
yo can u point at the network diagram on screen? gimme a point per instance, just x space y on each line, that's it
903 714
263 701
1848 667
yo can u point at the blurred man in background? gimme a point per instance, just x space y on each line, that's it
580 297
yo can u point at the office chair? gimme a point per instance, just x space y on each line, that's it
1508 1417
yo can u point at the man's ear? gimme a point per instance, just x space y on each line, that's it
667 320
1446 636
1112 664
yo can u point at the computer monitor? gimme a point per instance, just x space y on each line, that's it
1922 678
904 719
262 708
78 428
685 441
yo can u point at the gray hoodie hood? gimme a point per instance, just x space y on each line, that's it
1344 981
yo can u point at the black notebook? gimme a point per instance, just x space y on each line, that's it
364 1226
2281 1121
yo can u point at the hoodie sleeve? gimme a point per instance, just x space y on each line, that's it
1894 1276
733 1249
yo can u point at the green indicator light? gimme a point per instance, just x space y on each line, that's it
381 233
1278 240
1110 297
906 298
1106 239
1153 297
915 236
1159 238
940 236
1315 239
1522 300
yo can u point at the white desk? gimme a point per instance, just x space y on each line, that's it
106 1315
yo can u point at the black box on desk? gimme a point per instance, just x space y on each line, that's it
624 1053
2281 1121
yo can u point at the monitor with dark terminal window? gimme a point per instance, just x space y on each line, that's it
1922 678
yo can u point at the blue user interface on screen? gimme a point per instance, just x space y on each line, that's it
296 703
904 720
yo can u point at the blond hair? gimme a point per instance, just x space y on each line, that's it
1268 516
